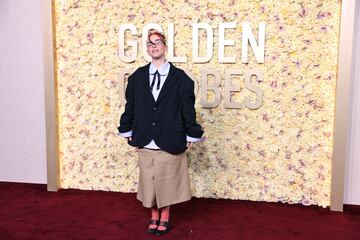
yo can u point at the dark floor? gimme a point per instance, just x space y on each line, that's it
29 211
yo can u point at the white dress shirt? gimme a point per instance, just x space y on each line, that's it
164 71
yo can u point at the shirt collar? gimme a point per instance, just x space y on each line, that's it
163 70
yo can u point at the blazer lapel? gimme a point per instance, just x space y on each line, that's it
169 82
146 84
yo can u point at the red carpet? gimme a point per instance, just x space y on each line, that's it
28 211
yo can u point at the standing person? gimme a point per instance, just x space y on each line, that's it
160 121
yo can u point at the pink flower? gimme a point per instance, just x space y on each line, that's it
305 202
273 84
90 37
302 12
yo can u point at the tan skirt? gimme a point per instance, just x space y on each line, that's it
163 179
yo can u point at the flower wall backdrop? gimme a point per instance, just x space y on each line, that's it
279 152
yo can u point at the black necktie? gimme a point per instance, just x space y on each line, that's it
153 81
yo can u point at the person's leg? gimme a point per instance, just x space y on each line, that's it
165 214
154 216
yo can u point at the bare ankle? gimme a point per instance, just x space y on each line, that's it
155 213
165 213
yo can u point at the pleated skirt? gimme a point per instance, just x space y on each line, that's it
163 178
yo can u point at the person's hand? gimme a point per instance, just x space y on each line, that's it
129 139
189 144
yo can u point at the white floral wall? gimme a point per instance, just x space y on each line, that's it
279 152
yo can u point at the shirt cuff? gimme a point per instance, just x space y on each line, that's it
191 139
126 134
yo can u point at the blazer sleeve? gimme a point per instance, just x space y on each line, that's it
127 118
193 129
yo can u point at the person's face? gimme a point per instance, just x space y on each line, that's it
156 48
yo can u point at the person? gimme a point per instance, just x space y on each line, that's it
159 120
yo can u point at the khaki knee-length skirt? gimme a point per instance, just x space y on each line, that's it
163 178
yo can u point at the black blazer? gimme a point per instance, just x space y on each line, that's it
168 119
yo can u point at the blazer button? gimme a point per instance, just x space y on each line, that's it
153 124
154 108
